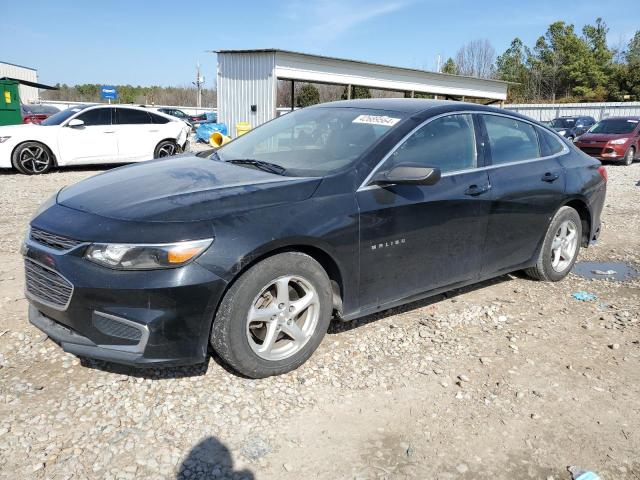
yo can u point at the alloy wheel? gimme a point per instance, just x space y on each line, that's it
166 150
34 159
282 318
564 246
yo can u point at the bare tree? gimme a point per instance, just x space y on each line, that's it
476 59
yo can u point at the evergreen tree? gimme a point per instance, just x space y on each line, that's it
309 95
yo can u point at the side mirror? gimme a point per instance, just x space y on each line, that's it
75 123
408 175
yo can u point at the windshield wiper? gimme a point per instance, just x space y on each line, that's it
259 164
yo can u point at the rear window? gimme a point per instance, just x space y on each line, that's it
129 116
549 143
158 118
511 140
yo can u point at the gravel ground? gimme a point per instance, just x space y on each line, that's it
508 379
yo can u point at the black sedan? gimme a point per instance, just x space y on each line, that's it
338 210
572 127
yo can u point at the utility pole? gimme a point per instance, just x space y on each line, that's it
438 63
198 83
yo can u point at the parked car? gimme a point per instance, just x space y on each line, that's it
37 113
89 135
342 209
614 138
572 127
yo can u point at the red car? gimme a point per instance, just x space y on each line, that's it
614 138
37 113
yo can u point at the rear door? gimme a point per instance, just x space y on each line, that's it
93 142
528 185
415 238
136 133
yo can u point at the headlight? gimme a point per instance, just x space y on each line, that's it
5 138
127 256
619 141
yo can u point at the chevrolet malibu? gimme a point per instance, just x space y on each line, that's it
339 210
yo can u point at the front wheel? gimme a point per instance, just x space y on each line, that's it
628 158
274 316
560 247
32 158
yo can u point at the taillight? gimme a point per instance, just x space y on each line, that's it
603 173
27 120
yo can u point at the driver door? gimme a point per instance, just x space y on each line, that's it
93 142
415 238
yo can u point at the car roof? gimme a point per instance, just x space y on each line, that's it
405 105
132 107
623 117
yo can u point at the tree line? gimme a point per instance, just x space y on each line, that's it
185 96
562 66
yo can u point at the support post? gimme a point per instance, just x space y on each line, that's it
413 94
348 92
293 90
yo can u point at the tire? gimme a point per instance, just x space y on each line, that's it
166 148
249 310
554 251
32 158
629 156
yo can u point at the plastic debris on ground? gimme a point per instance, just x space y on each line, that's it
604 272
580 474
204 131
584 296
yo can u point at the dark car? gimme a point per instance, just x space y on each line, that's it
614 138
342 209
572 127
37 113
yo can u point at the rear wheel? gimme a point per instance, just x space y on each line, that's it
274 316
32 158
560 247
628 158
166 148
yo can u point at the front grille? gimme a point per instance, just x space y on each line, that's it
47 285
592 150
52 240
114 328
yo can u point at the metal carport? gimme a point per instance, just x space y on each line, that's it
248 79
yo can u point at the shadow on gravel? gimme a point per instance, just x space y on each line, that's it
211 459
337 326
157 373
77 168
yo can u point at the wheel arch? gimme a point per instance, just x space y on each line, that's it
581 206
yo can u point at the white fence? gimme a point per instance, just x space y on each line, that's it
549 111
188 110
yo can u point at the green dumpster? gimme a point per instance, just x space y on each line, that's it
10 113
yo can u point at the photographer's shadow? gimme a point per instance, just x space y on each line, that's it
211 459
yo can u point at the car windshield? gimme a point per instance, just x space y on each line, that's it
60 117
615 126
40 109
563 123
312 141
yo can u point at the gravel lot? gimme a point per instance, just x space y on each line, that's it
509 379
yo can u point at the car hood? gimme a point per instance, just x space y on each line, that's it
603 137
182 189
21 129
557 129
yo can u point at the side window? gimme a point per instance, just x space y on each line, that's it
447 143
158 119
549 143
129 116
96 116
510 140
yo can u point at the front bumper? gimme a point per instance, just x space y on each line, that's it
140 318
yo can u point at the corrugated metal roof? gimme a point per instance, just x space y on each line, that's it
16 65
277 50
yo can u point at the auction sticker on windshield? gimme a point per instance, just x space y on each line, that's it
376 120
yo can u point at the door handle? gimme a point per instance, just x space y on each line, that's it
475 190
109 131
550 177
153 131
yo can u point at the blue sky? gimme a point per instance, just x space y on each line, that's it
159 42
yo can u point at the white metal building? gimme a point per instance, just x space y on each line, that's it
27 94
248 79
